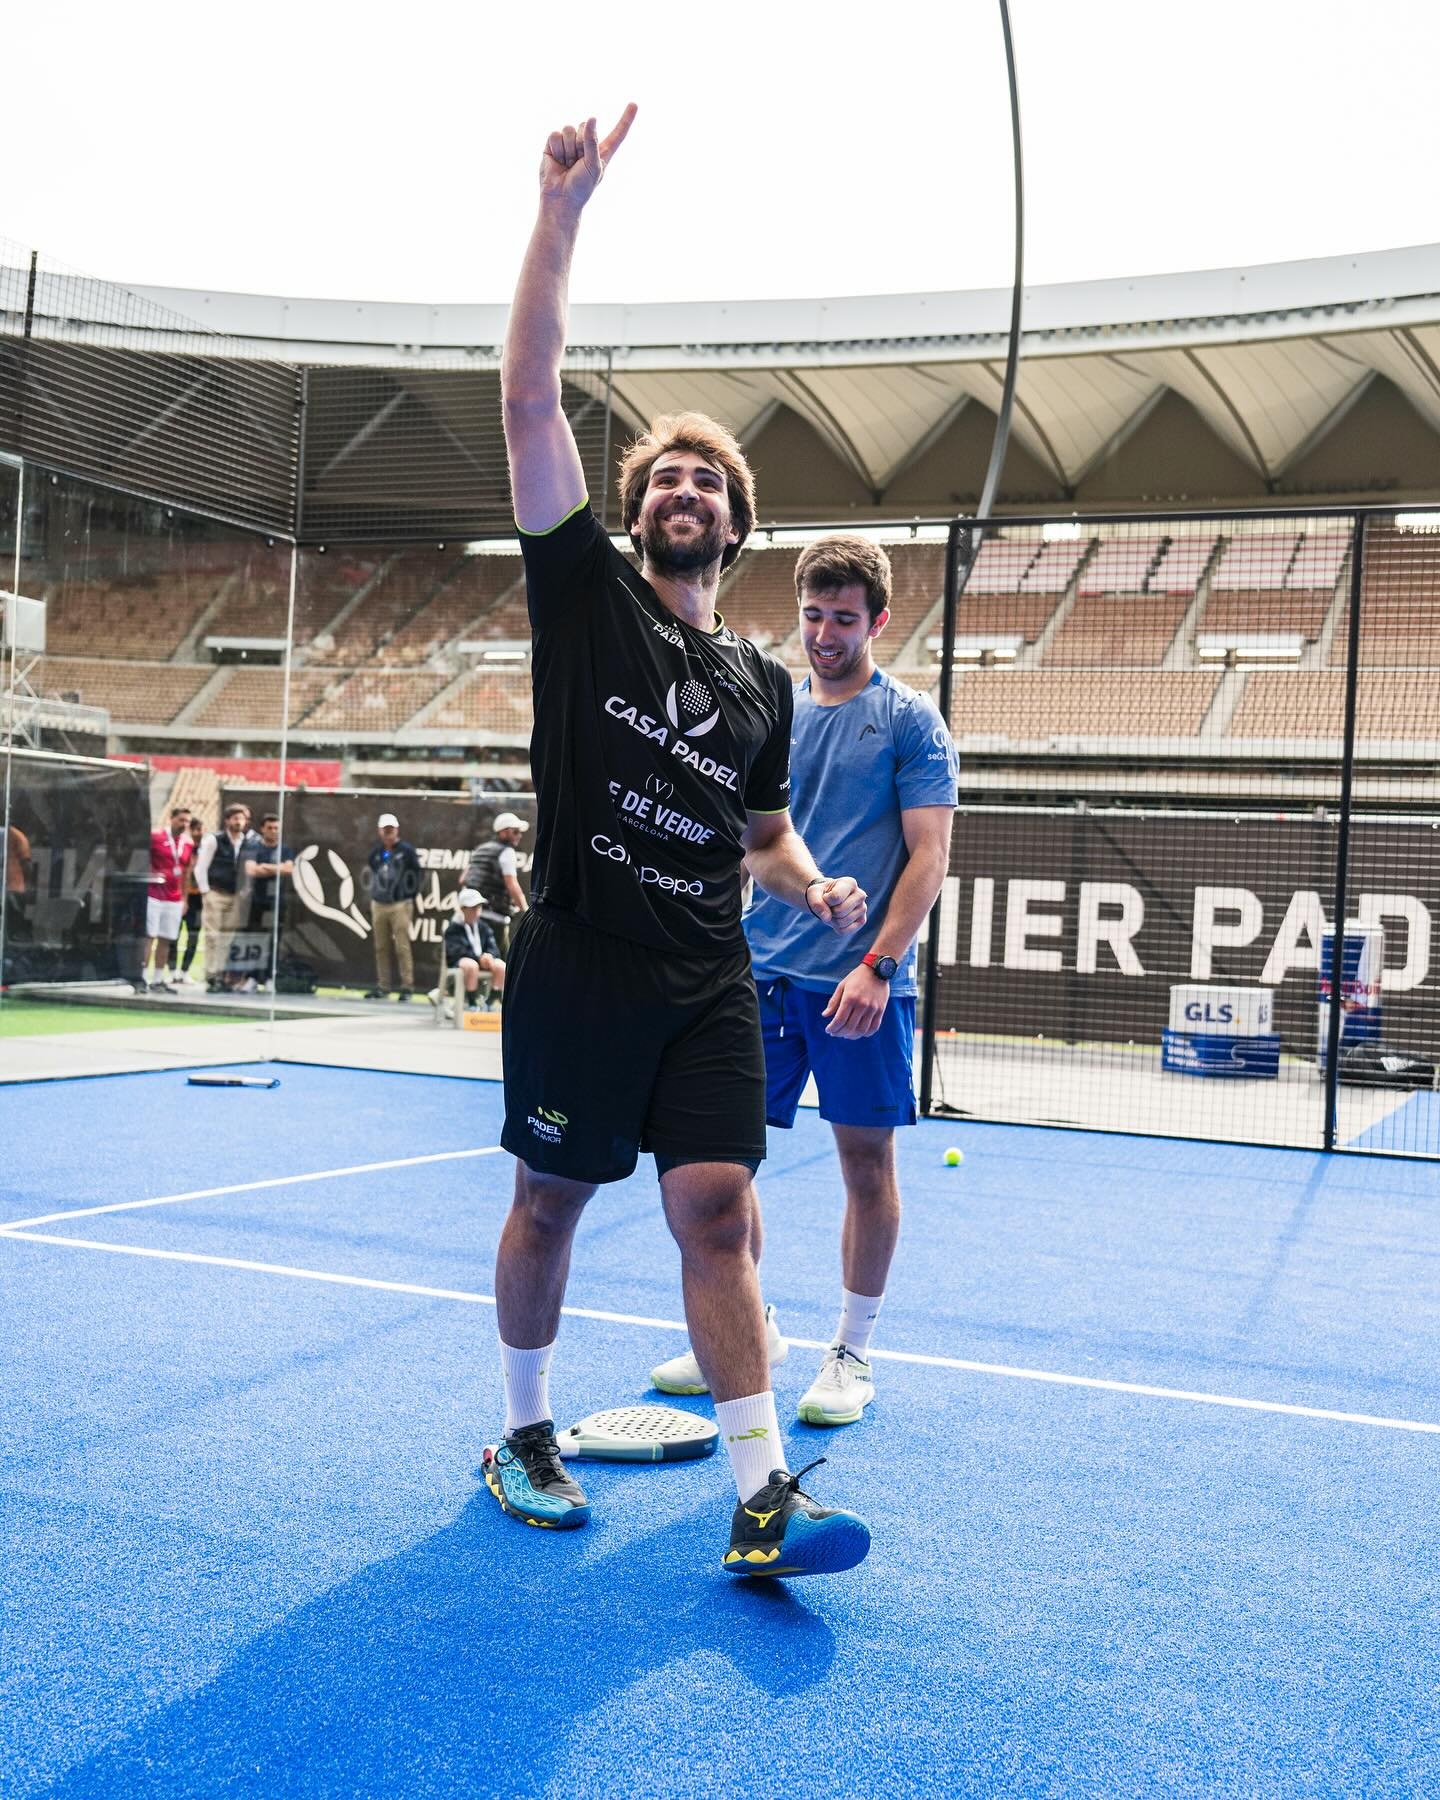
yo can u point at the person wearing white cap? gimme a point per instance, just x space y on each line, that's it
394 882
494 869
470 946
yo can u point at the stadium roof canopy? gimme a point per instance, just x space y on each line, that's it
1314 379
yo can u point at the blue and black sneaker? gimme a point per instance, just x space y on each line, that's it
527 1477
781 1531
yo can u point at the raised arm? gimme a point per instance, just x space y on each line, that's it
546 476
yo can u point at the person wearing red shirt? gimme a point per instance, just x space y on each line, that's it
171 851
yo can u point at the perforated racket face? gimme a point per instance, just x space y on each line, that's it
640 1434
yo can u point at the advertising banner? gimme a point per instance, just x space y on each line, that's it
1074 927
325 919
77 864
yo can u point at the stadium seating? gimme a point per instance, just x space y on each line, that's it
1120 565
493 701
917 582
401 589
133 693
1111 631
147 616
460 610
1265 611
1392 705
250 699
1001 565
1400 599
758 597
1183 562
1029 705
374 700
1250 563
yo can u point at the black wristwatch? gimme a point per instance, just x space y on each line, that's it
883 966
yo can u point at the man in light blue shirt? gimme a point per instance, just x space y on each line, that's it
873 789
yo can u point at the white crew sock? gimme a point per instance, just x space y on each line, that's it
858 1313
751 1430
527 1385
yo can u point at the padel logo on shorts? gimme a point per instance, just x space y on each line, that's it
547 1125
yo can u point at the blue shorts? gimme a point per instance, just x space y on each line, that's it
861 1081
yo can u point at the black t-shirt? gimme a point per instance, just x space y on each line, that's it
652 741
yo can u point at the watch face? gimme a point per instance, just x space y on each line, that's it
885 967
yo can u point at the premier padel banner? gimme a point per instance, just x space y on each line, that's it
1073 927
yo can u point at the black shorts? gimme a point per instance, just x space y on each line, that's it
612 1048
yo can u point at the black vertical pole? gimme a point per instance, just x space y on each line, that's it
958 557
1342 846
605 453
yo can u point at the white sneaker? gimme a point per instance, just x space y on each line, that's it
840 1392
248 986
683 1374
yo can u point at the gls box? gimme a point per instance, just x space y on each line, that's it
1221 1032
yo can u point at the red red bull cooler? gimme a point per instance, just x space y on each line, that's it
1362 964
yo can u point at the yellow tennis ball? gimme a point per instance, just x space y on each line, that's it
953 1158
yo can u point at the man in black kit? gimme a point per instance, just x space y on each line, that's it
661 761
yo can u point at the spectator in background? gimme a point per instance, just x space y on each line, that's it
17 876
494 870
470 946
394 883
171 849
193 915
220 876
266 867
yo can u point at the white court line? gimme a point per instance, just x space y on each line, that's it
247 1187
613 1318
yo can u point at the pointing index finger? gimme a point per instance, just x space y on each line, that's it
617 137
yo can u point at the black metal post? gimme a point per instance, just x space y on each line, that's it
605 452
1342 845
959 554
1017 291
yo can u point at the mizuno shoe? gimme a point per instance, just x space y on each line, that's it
683 1374
781 1531
841 1391
527 1477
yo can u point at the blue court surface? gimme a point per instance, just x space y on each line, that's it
246 1551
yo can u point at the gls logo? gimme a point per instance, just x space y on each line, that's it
644 874
1223 1014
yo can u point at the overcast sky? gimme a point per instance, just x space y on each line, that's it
781 148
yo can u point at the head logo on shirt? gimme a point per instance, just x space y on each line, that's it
685 702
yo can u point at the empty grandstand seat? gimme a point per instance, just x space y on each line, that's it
461 609
1183 562
493 702
1034 705
1131 631
1255 561
1000 565
133 693
251 699
374 700
1392 705
1119 565
1265 612
758 597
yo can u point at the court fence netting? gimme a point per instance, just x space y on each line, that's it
1190 746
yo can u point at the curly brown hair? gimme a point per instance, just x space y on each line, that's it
834 562
701 436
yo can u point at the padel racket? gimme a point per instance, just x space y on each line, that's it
262 1081
640 1434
